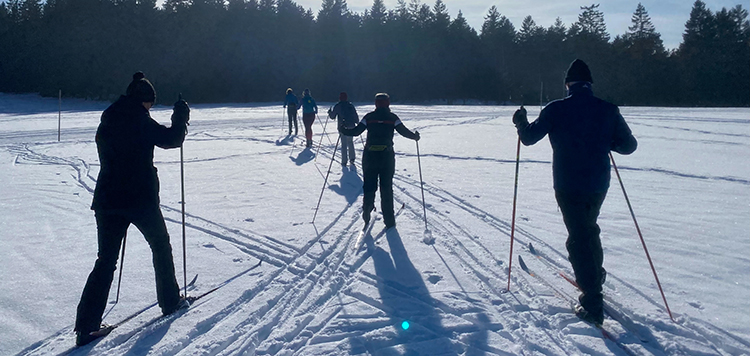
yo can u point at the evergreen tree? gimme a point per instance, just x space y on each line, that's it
498 40
590 42
590 24
251 50
641 57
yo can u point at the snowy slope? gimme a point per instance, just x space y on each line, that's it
251 194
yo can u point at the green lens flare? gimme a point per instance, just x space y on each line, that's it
405 325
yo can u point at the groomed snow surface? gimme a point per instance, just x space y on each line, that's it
251 192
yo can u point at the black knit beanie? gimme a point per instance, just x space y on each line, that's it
141 89
578 72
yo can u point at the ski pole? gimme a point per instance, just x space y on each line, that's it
643 242
421 185
326 180
324 128
122 260
182 201
320 143
513 218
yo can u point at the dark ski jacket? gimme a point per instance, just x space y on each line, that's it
346 113
125 142
380 125
309 105
291 99
582 130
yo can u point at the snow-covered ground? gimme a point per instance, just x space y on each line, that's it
251 194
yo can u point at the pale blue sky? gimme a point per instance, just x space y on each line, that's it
669 16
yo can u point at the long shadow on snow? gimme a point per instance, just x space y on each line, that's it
303 156
350 185
396 272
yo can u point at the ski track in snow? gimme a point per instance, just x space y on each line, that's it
312 286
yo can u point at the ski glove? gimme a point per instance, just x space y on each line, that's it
416 135
519 117
181 113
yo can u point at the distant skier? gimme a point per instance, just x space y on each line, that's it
348 117
309 110
378 158
582 131
127 192
291 104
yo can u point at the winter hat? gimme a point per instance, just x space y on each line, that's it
289 91
141 89
382 100
343 96
578 72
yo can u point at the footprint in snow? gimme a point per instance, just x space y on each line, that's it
433 277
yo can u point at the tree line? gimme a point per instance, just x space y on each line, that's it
252 50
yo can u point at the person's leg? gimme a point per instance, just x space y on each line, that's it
308 120
369 185
345 141
296 122
387 170
350 148
111 229
151 224
580 212
290 118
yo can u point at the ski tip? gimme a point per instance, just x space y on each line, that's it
531 248
523 264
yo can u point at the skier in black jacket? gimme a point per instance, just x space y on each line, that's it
582 130
127 192
347 116
378 159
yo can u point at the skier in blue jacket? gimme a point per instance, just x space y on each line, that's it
582 130
309 110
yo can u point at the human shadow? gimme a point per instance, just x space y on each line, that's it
350 185
405 298
303 156
285 141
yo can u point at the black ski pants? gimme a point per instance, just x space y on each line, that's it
291 111
580 212
111 229
378 166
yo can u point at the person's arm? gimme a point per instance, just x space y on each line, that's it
623 141
356 131
403 131
335 111
531 133
167 137
173 136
